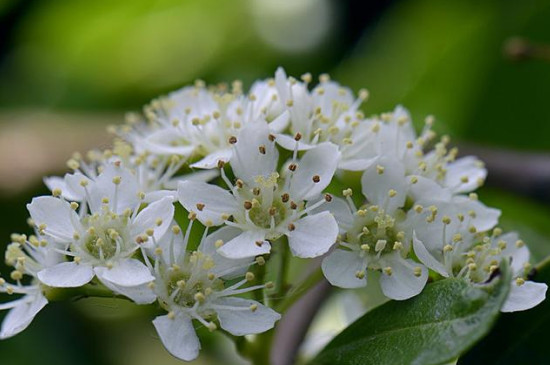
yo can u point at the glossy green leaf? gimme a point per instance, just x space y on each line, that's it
435 327
517 338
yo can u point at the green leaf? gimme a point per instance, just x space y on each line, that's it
435 327
517 338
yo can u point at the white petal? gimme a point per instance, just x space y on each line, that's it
228 268
178 336
247 244
523 297
66 275
147 218
153 196
321 162
356 164
74 187
339 208
216 200
140 294
289 143
426 257
241 321
384 175
402 283
281 83
247 161
56 182
20 317
340 269
469 167
280 123
60 220
428 189
121 196
313 235
160 142
127 272
211 160
485 218
519 255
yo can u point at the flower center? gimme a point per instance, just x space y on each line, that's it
375 233
262 217
106 236
187 287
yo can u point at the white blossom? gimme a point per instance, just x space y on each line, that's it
27 256
265 204
195 286
197 122
375 236
457 241
103 240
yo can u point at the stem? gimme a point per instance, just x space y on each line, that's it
259 272
297 291
86 291
282 285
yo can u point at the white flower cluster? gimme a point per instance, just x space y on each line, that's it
253 170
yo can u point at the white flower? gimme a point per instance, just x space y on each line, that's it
456 242
328 113
155 176
264 204
102 242
393 135
375 236
194 286
28 257
196 122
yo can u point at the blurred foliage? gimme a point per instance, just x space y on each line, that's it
446 58
436 57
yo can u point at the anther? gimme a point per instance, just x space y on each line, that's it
285 197
249 276
397 245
